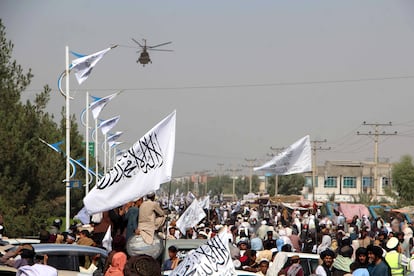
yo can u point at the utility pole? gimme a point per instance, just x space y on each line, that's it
376 135
315 148
277 151
233 172
220 165
205 173
250 166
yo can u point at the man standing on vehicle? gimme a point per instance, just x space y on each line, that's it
151 217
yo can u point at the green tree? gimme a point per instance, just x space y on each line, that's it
31 174
403 179
287 184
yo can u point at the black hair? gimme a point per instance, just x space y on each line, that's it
172 248
286 248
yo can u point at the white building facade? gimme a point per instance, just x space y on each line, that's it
347 180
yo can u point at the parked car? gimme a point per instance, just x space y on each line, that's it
308 261
19 241
67 258
183 246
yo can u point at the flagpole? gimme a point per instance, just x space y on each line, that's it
168 207
96 151
109 155
67 180
105 153
87 144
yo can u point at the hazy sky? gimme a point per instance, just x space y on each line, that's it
243 76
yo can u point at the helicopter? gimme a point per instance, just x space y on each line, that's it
144 57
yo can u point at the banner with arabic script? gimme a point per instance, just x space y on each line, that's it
139 171
296 158
191 216
212 258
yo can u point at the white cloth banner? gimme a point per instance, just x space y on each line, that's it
191 216
107 240
83 66
139 171
297 158
114 144
212 258
97 106
83 216
112 139
205 203
107 125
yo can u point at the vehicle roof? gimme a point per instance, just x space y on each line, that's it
303 255
68 249
17 241
182 244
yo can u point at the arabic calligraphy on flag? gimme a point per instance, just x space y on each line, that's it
191 216
212 259
139 171
297 158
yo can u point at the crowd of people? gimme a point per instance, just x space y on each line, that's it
260 237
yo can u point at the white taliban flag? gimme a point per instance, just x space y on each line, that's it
97 106
297 158
139 171
205 203
107 125
191 216
83 66
112 139
212 258
107 240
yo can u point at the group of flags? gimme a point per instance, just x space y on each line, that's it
130 177
148 163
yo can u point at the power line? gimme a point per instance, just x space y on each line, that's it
293 83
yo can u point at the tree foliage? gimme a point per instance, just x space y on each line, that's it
31 174
403 179
287 184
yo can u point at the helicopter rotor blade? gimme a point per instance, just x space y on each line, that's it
160 50
137 43
158 45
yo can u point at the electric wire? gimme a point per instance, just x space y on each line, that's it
246 85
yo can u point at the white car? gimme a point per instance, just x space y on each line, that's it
19 241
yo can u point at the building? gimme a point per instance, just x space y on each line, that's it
347 180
